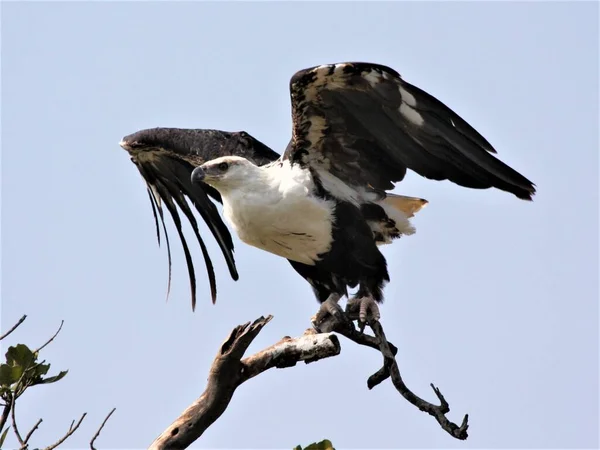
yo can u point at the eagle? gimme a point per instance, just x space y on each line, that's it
324 203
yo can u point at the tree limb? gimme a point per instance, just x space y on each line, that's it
14 327
437 411
100 429
229 370
6 410
71 430
28 436
51 339
14 423
344 326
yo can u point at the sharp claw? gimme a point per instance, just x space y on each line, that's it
329 306
375 311
368 310
364 309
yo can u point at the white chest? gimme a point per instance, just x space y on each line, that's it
281 218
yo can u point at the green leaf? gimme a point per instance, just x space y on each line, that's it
323 445
9 374
53 379
20 355
40 370
3 436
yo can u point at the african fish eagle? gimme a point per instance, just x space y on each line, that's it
322 204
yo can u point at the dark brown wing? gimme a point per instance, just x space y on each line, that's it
166 158
365 125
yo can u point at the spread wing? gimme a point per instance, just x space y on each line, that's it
365 125
166 157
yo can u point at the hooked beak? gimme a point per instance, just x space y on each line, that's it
198 175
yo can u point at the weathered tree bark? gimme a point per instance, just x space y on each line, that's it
229 370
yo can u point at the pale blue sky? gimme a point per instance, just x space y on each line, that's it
494 299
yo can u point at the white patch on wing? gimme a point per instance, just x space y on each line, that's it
315 131
407 107
407 97
338 188
411 114
338 68
337 80
276 213
372 77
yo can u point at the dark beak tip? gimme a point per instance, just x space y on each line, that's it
198 175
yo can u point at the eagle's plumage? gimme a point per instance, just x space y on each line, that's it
356 129
365 125
165 158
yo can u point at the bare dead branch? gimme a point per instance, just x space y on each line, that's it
14 327
6 411
14 423
437 411
229 370
52 338
100 429
71 430
28 436
344 326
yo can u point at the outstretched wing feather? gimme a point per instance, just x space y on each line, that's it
166 158
365 125
155 206
165 195
181 202
154 215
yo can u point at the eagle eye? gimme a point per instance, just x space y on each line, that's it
223 166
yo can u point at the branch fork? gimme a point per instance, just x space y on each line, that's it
230 369
344 325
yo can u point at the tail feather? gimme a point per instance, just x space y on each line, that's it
408 205
389 218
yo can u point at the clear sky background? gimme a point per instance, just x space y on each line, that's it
495 300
